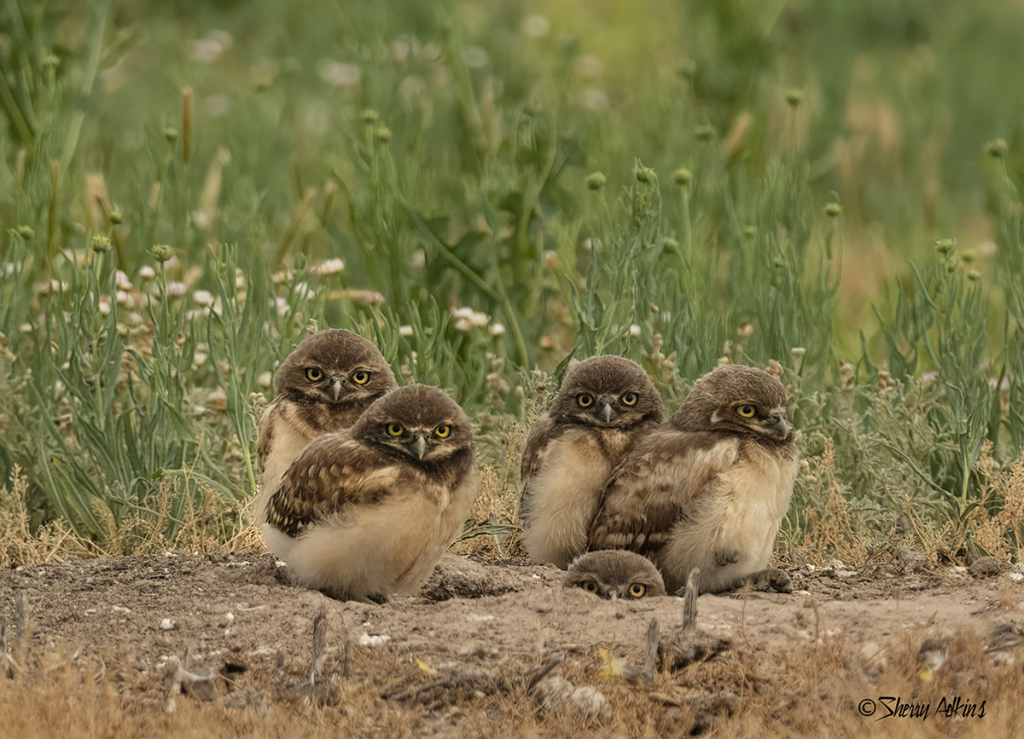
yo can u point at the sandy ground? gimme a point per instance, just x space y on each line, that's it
230 630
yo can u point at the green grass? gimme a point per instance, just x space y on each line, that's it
832 189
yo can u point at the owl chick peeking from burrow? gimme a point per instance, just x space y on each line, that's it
323 386
615 574
709 488
605 404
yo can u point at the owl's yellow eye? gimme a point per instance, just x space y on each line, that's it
638 590
747 411
585 400
314 374
360 377
590 586
395 429
443 431
630 398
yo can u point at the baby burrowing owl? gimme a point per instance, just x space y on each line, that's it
365 513
324 385
615 574
709 488
604 404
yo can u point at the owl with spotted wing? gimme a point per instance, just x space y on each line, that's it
709 488
323 386
605 404
365 513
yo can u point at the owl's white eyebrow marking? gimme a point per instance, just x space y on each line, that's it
715 418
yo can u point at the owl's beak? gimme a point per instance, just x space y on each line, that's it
420 446
607 412
613 595
336 390
780 425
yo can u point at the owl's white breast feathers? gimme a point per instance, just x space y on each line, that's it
388 548
737 516
565 493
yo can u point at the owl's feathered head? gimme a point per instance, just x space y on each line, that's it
739 399
335 367
615 574
417 422
607 391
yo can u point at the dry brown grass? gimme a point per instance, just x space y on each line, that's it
812 690
199 529
831 532
998 520
18 544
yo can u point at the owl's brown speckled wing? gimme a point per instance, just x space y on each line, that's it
664 479
334 473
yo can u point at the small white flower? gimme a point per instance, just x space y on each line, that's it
462 324
239 278
419 259
124 298
147 273
203 297
330 267
634 330
498 329
476 58
338 74
405 331
217 105
122 281
208 49
105 305
596 99
265 379
303 291
480 320
281 305
399 50
536 26
176 289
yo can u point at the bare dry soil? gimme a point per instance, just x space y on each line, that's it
224 642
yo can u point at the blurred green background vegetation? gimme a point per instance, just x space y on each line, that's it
828 189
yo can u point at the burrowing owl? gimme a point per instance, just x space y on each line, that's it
710 487
324 385
615 574
365 513
604 404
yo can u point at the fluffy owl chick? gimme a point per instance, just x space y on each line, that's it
604 405
710 487
366 513
324 385
613 574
